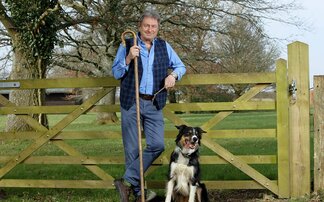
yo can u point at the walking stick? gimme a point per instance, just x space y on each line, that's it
137 113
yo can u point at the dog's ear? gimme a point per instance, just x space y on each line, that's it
201 131
178 138
181 127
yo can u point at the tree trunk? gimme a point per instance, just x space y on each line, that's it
23 68
103 117
106 117
172 96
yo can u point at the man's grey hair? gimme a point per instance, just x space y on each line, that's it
150 13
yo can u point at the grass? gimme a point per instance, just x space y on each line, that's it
243 120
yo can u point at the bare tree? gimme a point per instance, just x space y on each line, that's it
90 49
244 49
31 27
188 25
87 32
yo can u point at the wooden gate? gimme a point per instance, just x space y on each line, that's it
260 81
42 135
292 132
288 172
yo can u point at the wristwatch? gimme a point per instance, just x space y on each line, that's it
175 75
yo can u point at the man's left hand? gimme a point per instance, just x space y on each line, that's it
169 82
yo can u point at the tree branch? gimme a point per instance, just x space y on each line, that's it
46 13
6 21
73 22
75 5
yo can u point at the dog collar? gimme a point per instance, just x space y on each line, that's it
178 149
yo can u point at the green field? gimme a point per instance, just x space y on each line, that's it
113 147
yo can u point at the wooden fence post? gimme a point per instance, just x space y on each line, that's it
318 133
298 75
282 129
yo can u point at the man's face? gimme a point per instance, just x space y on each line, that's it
148 29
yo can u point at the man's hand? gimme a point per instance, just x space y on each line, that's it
169 82
133 52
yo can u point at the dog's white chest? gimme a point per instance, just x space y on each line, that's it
180 168
182 160
181 171
182 174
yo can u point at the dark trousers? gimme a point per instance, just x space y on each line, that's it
152 124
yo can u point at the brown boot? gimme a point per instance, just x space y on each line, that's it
149 195
123 189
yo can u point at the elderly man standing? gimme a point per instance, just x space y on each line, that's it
155 57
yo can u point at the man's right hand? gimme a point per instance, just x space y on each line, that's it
133 52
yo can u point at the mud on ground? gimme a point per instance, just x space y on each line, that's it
252 196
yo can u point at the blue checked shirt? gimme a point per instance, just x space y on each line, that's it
119 67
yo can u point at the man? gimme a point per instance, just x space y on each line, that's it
155 57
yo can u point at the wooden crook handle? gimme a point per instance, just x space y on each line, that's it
128 32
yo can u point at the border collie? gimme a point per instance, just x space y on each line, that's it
184 171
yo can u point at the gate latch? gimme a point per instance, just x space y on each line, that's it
9 84
293 91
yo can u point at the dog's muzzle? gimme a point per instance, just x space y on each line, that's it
194 139
191 142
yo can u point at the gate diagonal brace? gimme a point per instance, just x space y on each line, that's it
223 114
240 164
49 134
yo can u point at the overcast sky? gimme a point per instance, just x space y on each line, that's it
313 15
